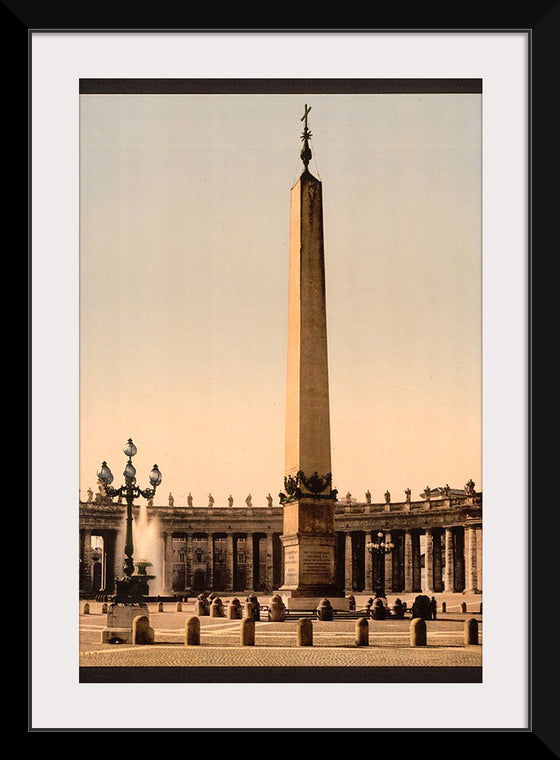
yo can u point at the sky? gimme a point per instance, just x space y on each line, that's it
184 237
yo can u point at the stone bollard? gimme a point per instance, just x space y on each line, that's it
252 608
325 610
398 609
404 606
352 600
178 607
418 636
234 610
464 607
201 607
362 632
379 612
160 607
85 610
471 632
104 608
304 631
443 607
422 607
217 608
142 632
247 632
192 631
277 610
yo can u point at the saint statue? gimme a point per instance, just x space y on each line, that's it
249 501
210 500
230 501
368 497
269 500
189 500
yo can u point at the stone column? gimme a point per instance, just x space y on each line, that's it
470 559
369 564
428 562
210 561
436 543
348 565
408 575
189 563
168 562
479 558
449 577
416 563
269 563
459 554
230 557
86 554
249 561
388 567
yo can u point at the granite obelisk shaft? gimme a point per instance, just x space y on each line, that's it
308 538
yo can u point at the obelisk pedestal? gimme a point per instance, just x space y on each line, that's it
308 538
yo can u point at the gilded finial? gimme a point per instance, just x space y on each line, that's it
306 150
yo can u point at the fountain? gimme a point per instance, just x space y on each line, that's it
147 541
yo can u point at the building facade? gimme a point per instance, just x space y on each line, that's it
437 545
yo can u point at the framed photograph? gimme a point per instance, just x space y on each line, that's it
284 285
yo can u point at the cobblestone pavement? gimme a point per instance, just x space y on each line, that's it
275 643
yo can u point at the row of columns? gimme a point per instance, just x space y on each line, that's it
452 560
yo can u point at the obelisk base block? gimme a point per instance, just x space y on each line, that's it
309 565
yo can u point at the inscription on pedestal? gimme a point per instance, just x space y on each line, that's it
308 564
316 561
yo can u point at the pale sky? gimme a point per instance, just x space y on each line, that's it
184 275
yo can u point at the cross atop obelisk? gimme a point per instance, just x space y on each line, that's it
308 538
306 150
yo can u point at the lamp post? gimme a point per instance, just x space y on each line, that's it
128 588
378 551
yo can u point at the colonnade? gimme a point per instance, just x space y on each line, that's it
431 560
428 560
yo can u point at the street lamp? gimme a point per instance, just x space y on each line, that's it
128 590
378 551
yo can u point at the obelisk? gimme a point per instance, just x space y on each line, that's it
308 538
